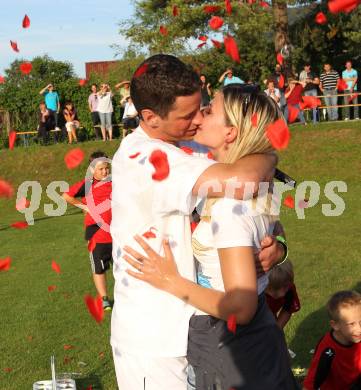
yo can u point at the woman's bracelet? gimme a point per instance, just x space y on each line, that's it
283 242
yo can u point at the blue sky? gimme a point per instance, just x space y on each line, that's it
77 31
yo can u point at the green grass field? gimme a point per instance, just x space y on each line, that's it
36 323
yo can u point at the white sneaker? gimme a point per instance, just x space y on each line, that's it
57 128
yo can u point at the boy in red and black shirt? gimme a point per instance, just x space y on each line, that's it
281 294
95 194
336 363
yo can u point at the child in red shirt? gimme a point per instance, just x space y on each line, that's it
281 294
95 200
293 95
336 363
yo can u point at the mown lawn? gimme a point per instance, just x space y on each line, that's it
36 323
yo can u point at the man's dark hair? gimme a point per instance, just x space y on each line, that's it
97 154
159 80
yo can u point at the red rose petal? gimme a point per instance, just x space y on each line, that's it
352 97
82 82
2 80
73 158
187 149
67 347
51 288
279 58
8 369
216 43
150 233
209 9
210 156
289 202
22 204
321 18
232 323
216 22
231 48
20 225
336 6
263 4
26 67
26 22
163 30
135 155
142 69
203 38
193 226
228 6
5 264
278 134
311 101
175 11
341 85
159 160
202 44
14 46
6 189
12 139
292 113
95 307
254 119
281 81
55 266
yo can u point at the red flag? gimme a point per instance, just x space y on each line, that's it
82 82
228 6
311 101
203 38
216 22
292 113
14 46
278 134
22 204
336 6
210 9
6 189
187 149
159 160
341 84
202 44
95 307
231 48
19 225
163 30
26 22
51 288
254 119
175 11
135 155
12 139
216 43
321 18
281 81
55 266
279 58
2 80
232 323
26 67
289 202
142 69
5 264
73 158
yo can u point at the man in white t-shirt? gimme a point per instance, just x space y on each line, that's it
155 187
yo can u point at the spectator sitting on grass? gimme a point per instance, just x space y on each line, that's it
72 122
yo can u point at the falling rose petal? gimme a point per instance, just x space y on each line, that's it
187 149
210 9
320 18
159 160
55 266
202 44
150 233
91 245
210 156
26 22
281 81
5 264
82 82
278 134
203 38
73 158
228 6
216 22
232 323
292 113
336 6
6 189
135 155
163 30
26 67
352 97
175 11
254 119
341 85
279 58
22 204
95 307
142 69
12 139
303 105
231 48
2 80
216 43
303 204
67 347
19 225
263 4
193 226
311 101
51 288
251 1
289 202
14 46
8 369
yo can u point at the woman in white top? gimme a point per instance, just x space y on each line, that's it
105 110
250 351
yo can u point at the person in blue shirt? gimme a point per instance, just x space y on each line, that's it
350 76
52 103
228 78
